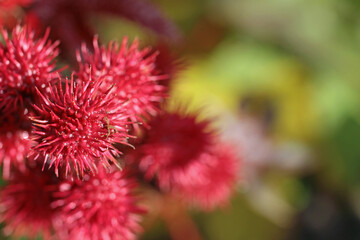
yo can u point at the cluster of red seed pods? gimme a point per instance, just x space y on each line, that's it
61 141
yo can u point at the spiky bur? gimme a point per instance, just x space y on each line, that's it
75 127
185 157
131 71
172 142
25 203
26 63
211 180
15 144
102 207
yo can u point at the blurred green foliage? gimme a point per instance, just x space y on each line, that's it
299 57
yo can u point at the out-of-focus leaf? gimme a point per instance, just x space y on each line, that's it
334 100
238 221
242 70
323 34
345 144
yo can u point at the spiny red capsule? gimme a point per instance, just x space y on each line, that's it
26 63
172 142
210 180
102 207
75 127
25 203
185 157
130 70
15 144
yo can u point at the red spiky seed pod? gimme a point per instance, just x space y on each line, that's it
210 180
25 203
26 63
171 143
183 155
100 207
76 127
131 71
15 145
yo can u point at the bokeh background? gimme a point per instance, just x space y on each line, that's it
281 78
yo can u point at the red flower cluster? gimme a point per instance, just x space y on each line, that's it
75 126
64 139
99 207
